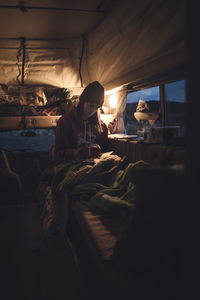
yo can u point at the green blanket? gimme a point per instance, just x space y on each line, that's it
106 184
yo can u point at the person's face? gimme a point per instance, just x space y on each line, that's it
89 109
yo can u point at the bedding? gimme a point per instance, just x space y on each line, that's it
123 219
139 255
105 184
101 230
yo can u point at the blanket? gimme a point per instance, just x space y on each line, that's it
105 184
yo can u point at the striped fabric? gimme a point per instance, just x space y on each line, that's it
101 231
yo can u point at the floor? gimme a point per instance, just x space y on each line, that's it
32 266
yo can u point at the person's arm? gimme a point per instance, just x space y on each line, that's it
63 147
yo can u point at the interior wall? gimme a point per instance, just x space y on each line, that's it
190 249
53 62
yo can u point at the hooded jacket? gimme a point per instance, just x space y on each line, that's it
71 132
93 93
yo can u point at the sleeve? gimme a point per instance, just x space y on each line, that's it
63 147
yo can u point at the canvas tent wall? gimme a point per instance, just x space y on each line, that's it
133 41
137 42
46 62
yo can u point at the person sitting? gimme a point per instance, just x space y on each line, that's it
80 134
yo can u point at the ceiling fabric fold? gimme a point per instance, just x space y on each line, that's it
139 39
46 62
135 41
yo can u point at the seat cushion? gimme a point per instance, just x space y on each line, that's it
100 230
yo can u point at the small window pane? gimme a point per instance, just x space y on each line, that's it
150 102
175 95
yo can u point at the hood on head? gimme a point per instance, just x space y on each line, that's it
93 93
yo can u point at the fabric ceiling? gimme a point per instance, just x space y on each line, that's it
137 40
140 39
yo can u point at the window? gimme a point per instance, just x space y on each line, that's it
174 94
144 110
147 100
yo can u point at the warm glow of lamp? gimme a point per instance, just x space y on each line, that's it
113 100
113 91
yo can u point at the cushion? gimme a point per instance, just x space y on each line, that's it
100 230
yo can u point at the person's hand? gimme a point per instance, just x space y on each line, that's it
85 151
95 151
111 126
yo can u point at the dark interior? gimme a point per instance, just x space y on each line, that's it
151 252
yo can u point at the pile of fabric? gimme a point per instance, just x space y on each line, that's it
105 184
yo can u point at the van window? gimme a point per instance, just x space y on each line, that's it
146 100
143 108
175 97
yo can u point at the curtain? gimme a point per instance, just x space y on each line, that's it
117 124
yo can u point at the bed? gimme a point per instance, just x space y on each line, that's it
124 251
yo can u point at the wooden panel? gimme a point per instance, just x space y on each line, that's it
157 155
